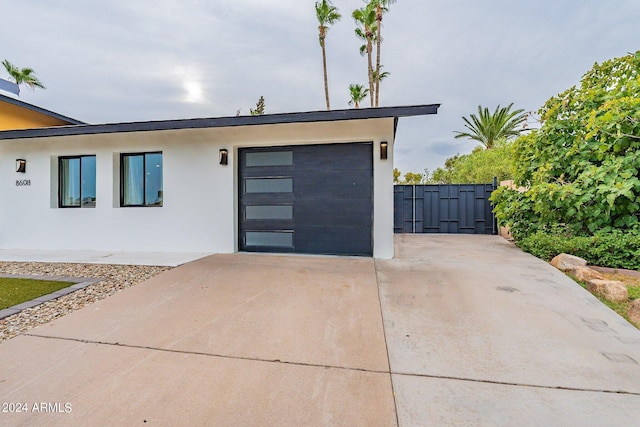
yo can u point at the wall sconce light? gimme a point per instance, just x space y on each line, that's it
383 150
21 165
224 156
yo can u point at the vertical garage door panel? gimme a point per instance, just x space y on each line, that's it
332 198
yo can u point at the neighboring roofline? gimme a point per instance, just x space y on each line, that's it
8 86
40 110
266 119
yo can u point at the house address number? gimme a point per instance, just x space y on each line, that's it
23 182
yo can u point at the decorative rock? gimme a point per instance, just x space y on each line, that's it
585 274
566 262
113 278
634 311
611 290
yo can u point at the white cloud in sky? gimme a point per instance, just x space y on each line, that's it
128 60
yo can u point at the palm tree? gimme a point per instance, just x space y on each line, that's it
259 110
358 93
383 75
381 6
487 128
366 19
22 76
327 14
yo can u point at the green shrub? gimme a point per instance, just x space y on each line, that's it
607 249
581 168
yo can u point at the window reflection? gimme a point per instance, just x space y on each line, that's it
142 179
88 181
77 181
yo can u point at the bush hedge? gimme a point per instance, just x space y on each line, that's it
615 249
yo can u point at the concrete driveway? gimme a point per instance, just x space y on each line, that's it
457 330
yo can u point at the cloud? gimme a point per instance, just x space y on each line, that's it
128 60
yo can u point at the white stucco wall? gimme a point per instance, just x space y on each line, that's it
200 196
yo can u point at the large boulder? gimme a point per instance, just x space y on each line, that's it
566 262
634 311
611 290
585 274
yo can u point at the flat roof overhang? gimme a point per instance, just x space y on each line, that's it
40 110
266 119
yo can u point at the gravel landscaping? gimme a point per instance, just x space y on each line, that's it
114 278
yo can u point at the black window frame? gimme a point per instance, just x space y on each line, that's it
144 181
60 160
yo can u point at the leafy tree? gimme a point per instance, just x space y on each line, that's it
259 110
582 167
357 93
478 167
23 76
396 175
411 178
381 6
327 15
487 128
444 175
366 21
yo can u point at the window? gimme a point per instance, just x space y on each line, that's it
141 179
270 158
77 181
268 185
269 212
282 239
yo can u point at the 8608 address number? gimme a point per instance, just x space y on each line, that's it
23 182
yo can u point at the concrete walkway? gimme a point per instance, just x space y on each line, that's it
457 330
169 259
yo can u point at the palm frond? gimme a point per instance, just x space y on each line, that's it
358 93
489 128
327 13
22 76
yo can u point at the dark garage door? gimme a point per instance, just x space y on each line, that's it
314 199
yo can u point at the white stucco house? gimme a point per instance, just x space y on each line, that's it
311 182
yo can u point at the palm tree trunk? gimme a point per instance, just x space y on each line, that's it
378 44
324 69
371 87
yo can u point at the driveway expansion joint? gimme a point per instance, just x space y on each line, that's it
386 343
513 384
202 353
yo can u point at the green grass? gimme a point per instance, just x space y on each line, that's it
16 291
619 307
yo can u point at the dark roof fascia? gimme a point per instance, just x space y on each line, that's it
40 110
266 119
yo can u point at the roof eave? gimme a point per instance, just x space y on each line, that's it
40 110
266 119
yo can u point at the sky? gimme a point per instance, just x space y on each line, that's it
133 60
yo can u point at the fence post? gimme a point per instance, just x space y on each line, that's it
493 215
413 213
